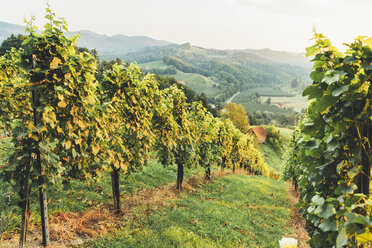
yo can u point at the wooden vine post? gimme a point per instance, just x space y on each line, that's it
364 178
25 204
42 186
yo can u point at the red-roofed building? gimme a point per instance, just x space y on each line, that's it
260 133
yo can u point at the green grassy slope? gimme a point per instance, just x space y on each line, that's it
197 82
234 211
272 157
297 102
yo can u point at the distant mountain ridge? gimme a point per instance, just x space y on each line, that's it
107 46
6 29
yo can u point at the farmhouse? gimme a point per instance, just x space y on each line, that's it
260 133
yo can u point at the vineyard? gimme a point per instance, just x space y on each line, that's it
61 125
115 160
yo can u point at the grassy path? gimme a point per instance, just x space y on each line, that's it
234 211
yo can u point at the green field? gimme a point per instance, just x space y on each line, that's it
285 131
153 64
270 92
197 82
251 107
298 102
234 211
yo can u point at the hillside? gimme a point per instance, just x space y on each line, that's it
224 72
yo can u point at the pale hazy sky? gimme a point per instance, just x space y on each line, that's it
222 24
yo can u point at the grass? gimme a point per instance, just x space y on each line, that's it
251 107
286 132
197 82
234 211
83 195
267 91
158 64
272 157
298 102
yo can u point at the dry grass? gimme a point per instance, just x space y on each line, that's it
297 223
69 229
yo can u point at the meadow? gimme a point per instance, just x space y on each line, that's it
197 82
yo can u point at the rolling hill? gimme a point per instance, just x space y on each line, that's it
221 73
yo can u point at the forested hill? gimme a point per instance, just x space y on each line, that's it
223 72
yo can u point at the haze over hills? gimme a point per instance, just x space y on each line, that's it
107 46
6 29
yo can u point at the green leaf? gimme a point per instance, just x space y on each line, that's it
311 51
328 225
344 189
332 76
360 219
324 103
325 211
312 91
354 171
74 153
318 200
340 90
341 238
368 42
317 76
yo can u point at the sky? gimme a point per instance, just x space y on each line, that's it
284 25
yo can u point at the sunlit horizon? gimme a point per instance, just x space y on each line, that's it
282 25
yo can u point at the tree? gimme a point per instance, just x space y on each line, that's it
11 42
294 83
268 101
238 116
